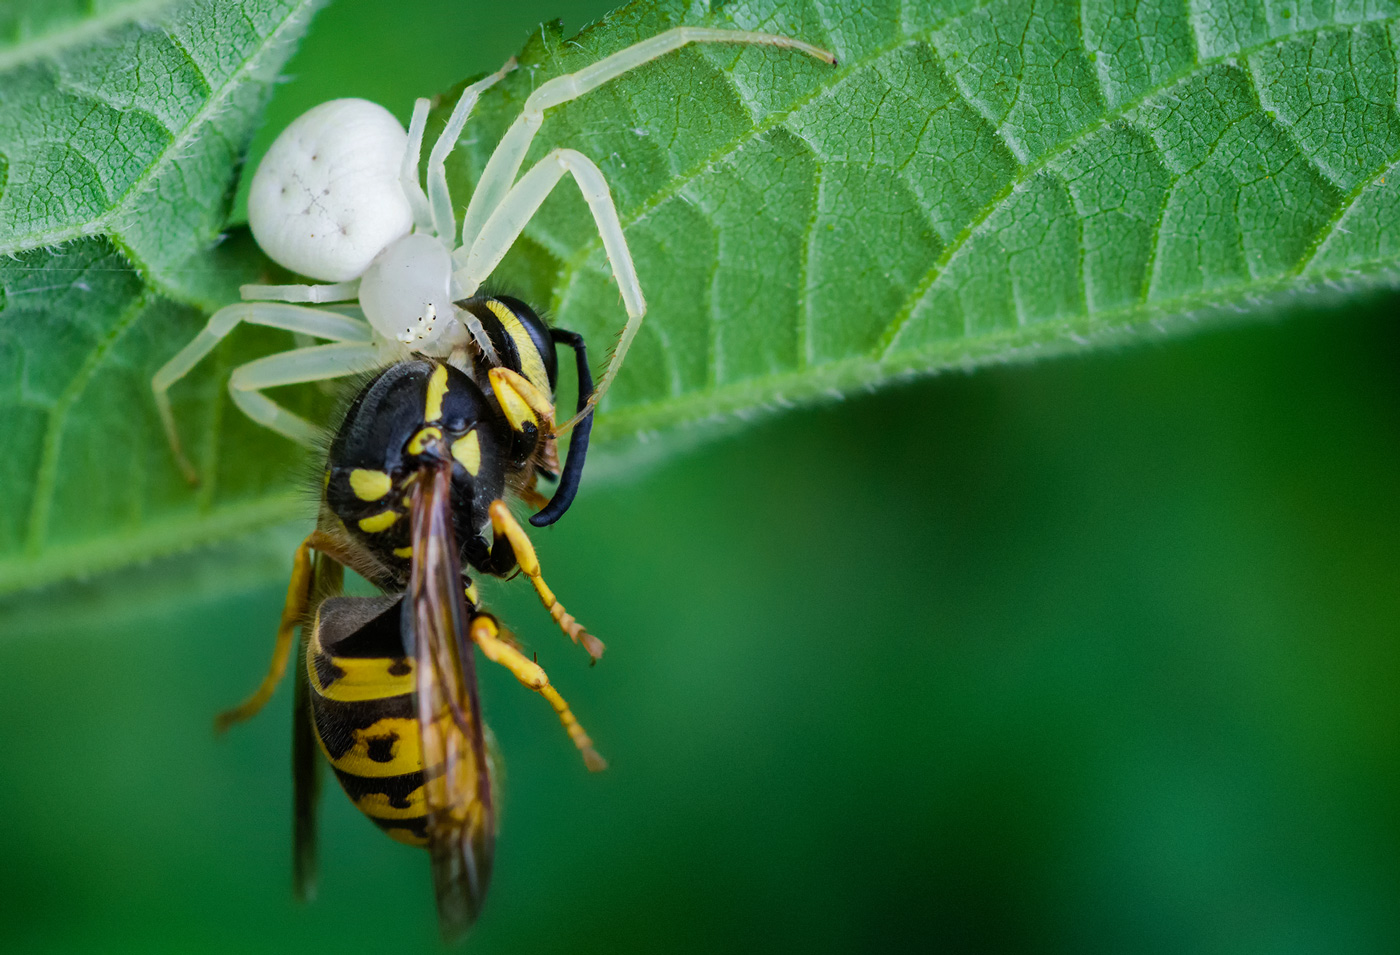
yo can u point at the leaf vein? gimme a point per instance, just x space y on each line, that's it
46 475
1154 247
1267 108
1333 224
211 108
902 315
195 65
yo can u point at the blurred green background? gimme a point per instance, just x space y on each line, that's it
1098 655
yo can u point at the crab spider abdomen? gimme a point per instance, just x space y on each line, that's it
327 198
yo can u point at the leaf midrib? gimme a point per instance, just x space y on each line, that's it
783 389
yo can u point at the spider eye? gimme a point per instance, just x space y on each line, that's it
407 287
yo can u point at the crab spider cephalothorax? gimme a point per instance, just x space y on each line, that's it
337 198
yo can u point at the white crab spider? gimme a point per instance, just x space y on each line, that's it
337 198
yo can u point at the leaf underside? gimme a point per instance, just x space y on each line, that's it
121 130
975 182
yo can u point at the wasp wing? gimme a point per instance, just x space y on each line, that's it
457 784
306 786
327 581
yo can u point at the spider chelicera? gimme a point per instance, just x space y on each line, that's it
337 199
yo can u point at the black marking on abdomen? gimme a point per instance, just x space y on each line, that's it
397 788
336 722
381 748
326 670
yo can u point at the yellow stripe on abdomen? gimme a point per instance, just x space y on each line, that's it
407 836
388 747
358 679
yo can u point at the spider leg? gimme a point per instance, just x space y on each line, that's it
408 172
315 294
443 218
504 164
316 363
294 318
519 206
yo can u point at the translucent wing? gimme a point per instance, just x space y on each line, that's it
461 816
306 788
327 579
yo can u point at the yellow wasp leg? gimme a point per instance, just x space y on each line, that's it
485 635
504 524
293 613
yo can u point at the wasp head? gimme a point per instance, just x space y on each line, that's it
414 416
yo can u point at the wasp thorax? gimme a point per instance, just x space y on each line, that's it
414 416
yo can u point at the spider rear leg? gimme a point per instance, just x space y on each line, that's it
313 294
294 318
317 363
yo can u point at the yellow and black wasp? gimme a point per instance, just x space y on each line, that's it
414 492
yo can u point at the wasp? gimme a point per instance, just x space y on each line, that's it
413 495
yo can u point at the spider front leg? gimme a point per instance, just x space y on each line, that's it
433 210
444 220
293 318
509 155
408 171
497 186
519 206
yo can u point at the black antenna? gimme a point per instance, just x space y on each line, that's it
578 446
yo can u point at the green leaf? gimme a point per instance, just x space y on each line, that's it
975 182
121 131
129 125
